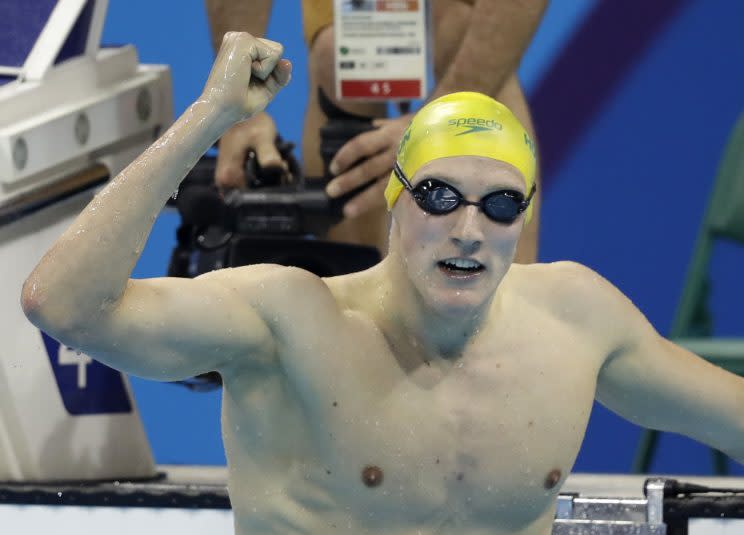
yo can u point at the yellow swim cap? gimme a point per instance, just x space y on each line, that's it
463 124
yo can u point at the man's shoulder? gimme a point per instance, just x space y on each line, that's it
570 290
555 275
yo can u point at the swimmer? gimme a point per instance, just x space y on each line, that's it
444 390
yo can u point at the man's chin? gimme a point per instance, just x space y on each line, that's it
457 303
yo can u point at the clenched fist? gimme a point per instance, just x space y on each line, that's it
247 74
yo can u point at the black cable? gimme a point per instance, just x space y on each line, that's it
673 487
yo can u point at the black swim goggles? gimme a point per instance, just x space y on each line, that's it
436 197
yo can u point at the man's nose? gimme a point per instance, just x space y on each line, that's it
468 232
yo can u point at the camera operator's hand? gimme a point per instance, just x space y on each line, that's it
255 134
367 157
246 76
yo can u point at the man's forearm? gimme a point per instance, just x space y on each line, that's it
250 16
89 266
497 35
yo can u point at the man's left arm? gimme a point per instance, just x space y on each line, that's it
498 34
655 383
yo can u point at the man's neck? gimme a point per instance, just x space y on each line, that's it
410 321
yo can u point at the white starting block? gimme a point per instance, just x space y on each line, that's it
71 116
100 106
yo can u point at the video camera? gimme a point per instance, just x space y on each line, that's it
281 219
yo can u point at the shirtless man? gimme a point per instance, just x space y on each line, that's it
477 45
445 390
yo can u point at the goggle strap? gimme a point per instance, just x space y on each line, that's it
401 176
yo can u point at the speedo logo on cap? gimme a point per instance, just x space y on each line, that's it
474 124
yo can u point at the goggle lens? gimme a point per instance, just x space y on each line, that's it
502 206
440 200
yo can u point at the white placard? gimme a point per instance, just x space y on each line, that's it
380 49
715 526
78 520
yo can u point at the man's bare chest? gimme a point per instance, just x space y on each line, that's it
487 437
482 435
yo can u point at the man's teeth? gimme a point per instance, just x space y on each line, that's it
462 263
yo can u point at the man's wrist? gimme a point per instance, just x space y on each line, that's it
215 115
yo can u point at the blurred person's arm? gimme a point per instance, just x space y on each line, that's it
237 16
498 33
490 52
259 132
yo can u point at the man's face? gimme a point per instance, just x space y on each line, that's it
457 260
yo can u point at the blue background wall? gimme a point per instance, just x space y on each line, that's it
624 196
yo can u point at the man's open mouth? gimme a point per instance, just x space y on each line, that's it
460 266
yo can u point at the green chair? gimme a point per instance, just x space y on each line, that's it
693 323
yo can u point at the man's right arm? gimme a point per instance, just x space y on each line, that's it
168 329
81 293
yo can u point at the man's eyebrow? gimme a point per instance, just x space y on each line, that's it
454 181
443 177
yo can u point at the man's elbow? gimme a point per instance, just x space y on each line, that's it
51 317
32 299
